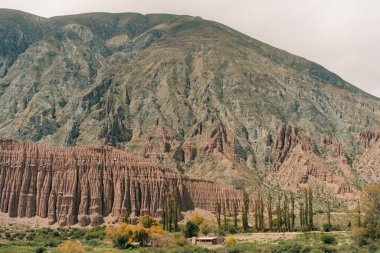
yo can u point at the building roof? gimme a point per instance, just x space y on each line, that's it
206 238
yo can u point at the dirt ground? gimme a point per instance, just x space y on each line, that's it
267 237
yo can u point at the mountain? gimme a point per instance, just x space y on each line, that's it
192 93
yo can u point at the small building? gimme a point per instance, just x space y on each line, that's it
205 241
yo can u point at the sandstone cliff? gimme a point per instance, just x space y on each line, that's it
84 184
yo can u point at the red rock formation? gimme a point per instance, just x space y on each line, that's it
84 184
369 138
287 139
296 164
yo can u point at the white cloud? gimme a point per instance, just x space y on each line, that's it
342 35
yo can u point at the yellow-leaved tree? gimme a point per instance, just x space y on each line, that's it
366 229
124 235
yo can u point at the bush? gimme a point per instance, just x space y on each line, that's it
93 242
40 250
198 219
206 228
30 236
77 234
231 240
71 247
327 228
120 242
327 249
148 221
55 233
51 244
328 239
191 229
124 235
306 249
179 239
95 233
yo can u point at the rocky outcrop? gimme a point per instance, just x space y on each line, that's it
367 164
297 164
84 184
288 137
369 138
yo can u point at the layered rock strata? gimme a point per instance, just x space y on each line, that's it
84 184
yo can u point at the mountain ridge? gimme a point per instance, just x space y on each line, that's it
192 93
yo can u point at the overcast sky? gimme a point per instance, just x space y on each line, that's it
341 35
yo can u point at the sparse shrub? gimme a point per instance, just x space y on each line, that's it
51 244
373 248
20 236
95 233
306 249
30 236
77 233
221 232
93 242
179 239
328 239
55 233
71 247
328 249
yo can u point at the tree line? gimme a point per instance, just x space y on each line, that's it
280 212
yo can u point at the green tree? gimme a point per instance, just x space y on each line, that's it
270 211
235 209
124 217
256 214
218 212
245 211
302 216
328 214
163 220
370 201
278 214
191 229
292 214
306 213
311 224
261 216
224 216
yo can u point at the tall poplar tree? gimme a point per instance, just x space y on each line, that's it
270 212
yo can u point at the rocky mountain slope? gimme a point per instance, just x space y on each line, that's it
192 93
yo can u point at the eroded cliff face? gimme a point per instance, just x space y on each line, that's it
367 164
297 165
84 184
